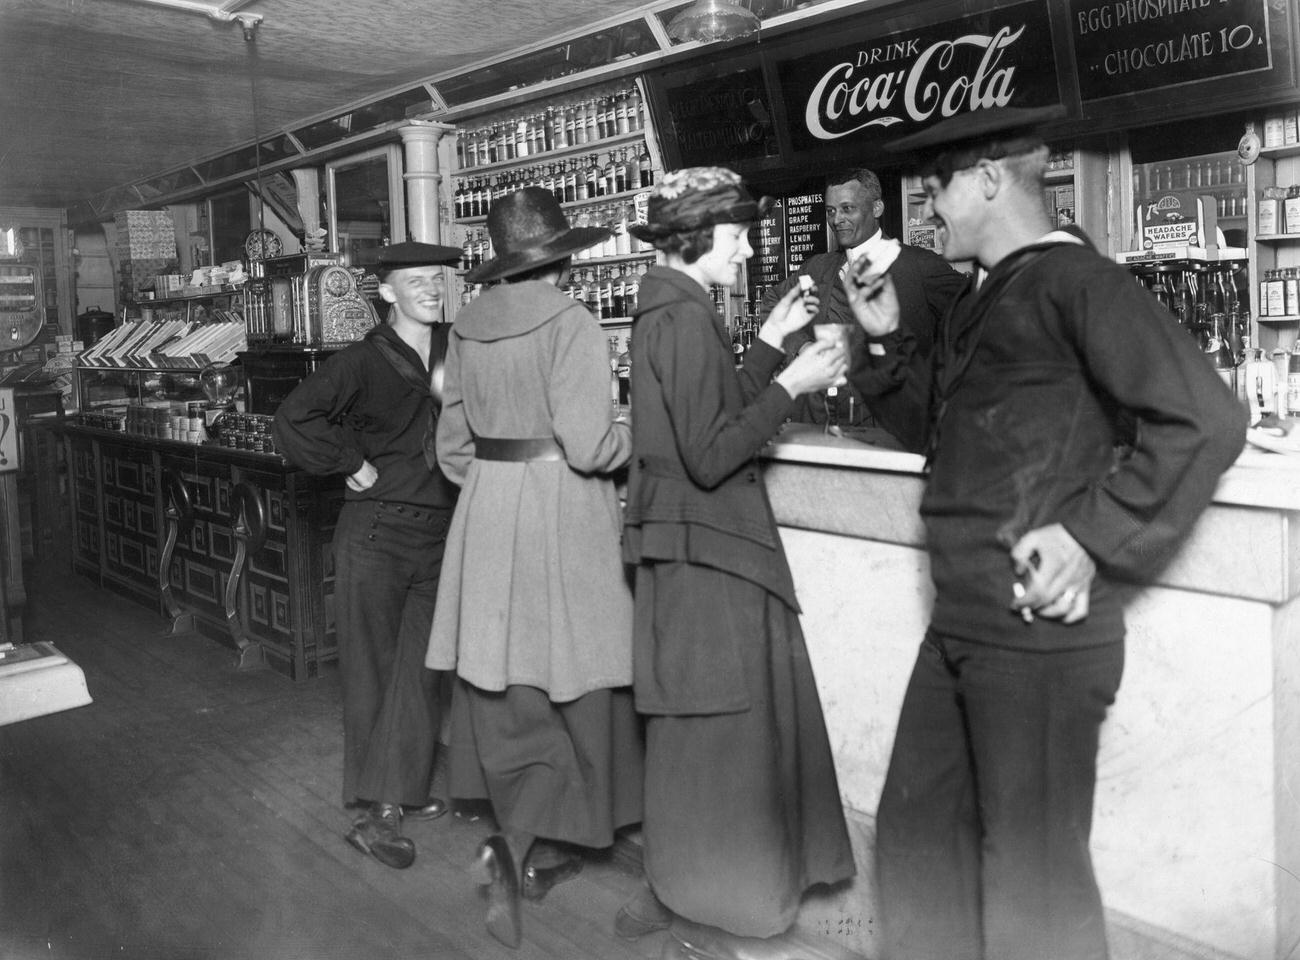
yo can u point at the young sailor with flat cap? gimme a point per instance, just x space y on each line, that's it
534 613
368 414
1043 507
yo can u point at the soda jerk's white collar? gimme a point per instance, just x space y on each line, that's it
857 251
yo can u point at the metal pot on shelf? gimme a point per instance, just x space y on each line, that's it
93 325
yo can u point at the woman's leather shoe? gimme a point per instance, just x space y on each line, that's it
378 833
699 941
432 810
642 915
539 880
496 869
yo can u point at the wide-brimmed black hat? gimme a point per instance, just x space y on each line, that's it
696 197
991 133
528 229
397 256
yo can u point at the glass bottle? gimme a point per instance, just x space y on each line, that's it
645 172
1184 305
1159 287
609 175
592 115
595 181
1293 380
1200 327
621 123
625 374
571 127
618 280
605 117
622 238
606 296
583 184
613 373
590 295
634 118
1276 298
631 287
553 129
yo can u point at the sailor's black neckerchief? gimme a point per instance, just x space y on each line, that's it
959 337
418 380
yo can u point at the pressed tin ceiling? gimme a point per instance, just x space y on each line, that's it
98 93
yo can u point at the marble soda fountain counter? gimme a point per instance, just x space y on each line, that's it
1196 837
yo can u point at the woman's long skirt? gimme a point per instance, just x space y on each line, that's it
742 810
569 771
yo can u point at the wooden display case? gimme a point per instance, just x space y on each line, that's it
120 499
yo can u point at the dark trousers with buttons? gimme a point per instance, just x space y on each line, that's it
387 559
984 820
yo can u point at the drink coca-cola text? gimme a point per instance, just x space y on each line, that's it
845 101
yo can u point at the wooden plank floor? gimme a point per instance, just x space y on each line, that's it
192 813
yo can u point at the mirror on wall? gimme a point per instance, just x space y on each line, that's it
366 209
230 218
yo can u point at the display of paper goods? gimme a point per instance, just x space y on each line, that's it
127 343
210 343
1185 223
168 284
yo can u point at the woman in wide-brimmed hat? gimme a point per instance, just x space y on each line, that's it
534 612
742 808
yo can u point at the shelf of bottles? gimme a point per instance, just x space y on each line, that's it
1276 232
590 150
1210 301
1219 175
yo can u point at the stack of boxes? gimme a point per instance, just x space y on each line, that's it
146 247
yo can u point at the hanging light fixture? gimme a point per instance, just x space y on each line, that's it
709 20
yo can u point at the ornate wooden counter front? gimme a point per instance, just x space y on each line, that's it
122 488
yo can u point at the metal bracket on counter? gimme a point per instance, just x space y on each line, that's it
180 518
248 522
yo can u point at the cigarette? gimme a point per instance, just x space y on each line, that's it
1018 591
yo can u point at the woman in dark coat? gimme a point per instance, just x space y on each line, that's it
742 810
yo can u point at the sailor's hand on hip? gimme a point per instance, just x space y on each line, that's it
1053 573
364 478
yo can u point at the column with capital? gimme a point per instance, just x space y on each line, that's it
307 180
420 144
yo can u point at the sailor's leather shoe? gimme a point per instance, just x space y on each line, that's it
432 810
378 832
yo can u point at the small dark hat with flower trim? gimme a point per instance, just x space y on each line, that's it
529 229
696 197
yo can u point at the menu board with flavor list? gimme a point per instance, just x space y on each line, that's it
791 232
767 237
805 229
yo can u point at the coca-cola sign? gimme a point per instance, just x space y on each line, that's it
882 87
